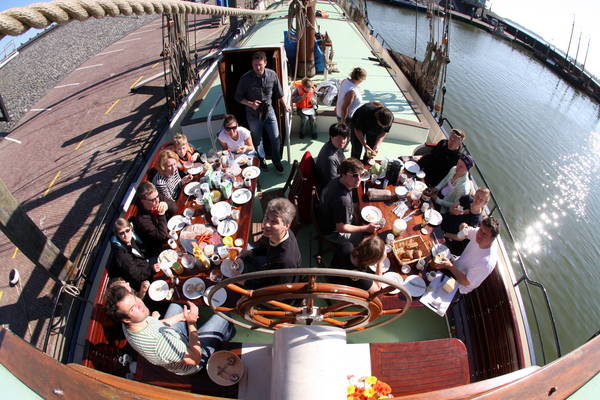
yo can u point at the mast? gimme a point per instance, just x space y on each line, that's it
586 54
577 52
570 37
306 41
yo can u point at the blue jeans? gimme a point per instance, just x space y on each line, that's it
307 125
269 125
211 334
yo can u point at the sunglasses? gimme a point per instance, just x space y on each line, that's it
230 128
354 175
124 231
152 200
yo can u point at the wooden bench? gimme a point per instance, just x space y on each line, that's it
483 319
417 367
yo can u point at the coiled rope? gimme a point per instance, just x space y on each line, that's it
15 21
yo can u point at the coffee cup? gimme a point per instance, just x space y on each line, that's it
172 243
216 260
247 182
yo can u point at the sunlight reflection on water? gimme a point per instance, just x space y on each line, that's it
575 174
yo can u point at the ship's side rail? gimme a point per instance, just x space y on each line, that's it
524 281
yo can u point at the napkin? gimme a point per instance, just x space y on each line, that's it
379 195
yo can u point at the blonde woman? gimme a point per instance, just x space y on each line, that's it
349 96
168 182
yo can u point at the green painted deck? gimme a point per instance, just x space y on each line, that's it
351 51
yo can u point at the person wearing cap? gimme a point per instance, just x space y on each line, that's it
455 184
442 157
370 124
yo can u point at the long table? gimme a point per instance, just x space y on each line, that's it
202 217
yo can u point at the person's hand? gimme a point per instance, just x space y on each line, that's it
190 313
454 210
372 227
186 179
254 104
241 149
162 208
155 315
195 157
462 226
156 267
288 108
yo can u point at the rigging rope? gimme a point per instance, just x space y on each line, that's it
18 20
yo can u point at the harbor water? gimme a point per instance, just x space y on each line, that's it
537 141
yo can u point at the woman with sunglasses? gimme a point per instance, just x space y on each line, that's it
233 137
129 256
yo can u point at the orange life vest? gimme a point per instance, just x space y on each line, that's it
305 102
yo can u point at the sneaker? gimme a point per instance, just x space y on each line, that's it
263 165
278 167
314 135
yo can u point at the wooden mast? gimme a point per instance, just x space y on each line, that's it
306 49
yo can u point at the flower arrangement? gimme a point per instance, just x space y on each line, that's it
368 388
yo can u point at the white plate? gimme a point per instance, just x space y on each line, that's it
190 188
308 111
176 223
227 227
412 167
158 290
384 269
433 217
419 186
371 214
194 171
396 277
242 159
221 210
219 297
193 288
251 172
415 285
228 271
167 256
241 196
440 249
401 191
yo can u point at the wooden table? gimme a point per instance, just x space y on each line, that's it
414 226
202 217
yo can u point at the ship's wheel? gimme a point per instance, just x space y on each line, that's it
310 302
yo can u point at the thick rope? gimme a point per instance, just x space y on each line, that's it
18 20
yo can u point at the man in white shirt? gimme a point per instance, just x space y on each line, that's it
479 258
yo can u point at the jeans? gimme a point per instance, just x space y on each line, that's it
211 334
307 125
269 124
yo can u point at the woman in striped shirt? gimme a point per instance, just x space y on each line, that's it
168 182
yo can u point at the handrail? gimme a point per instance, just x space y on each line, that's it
524 276
213 139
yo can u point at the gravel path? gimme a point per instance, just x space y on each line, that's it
45 62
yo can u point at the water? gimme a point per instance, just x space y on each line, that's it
538 143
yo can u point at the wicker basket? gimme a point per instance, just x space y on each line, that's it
413 243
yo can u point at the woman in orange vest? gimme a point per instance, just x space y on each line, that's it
305 98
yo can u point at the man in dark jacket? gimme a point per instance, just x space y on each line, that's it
129 259
151 219
371 122
444 156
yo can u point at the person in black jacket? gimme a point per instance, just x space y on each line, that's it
278 247
443 156
151 219
129 258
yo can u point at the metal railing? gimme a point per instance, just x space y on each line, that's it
496 211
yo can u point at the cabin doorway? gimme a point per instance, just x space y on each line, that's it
236 62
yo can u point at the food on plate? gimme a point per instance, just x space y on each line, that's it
199 287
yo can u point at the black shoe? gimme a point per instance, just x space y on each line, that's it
263 165
314 135
302 136
278 167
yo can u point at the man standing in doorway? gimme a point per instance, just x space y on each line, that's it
255 90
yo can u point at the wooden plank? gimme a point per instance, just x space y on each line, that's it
416 367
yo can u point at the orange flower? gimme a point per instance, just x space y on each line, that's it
382 388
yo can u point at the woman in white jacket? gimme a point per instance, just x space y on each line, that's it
454 185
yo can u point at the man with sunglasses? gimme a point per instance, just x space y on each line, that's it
256 90
337 209
442 157
129 258
152 216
